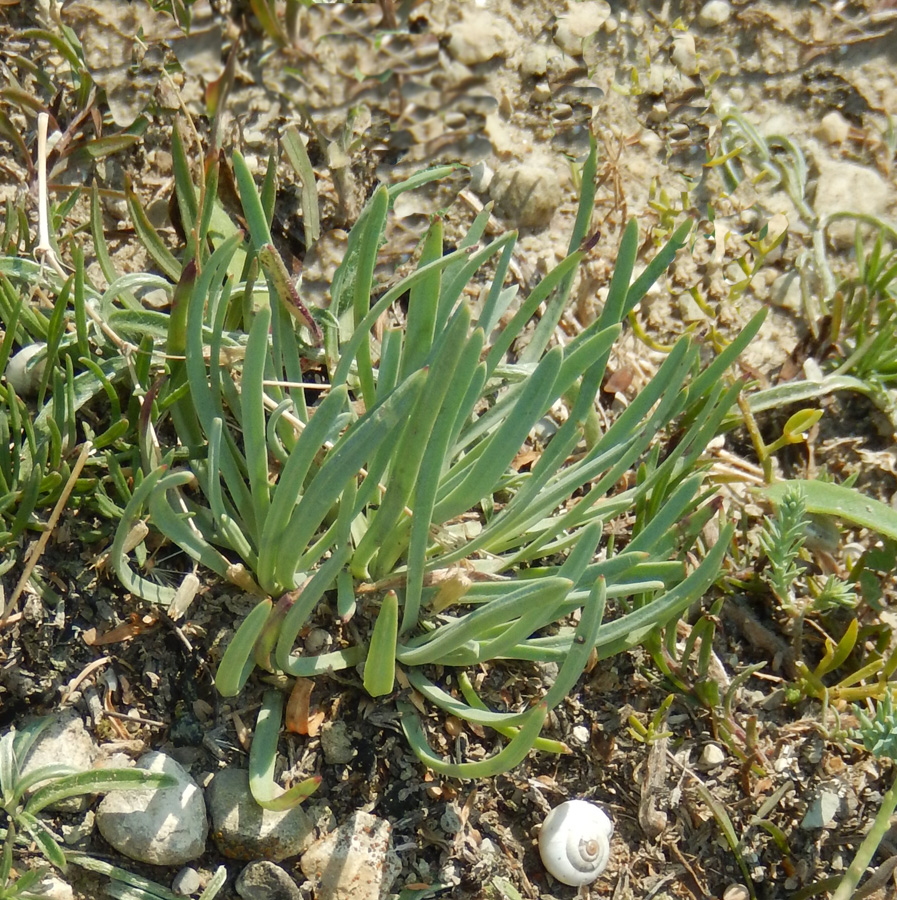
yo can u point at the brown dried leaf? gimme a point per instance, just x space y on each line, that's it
299 718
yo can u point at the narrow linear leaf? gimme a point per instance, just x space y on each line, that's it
238 661
380 666
263 755
511 755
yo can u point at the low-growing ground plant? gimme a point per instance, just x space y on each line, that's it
447 485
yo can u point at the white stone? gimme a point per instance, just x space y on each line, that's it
714 14
712 756
67 741
23 372
684 56
477 38
243 830
736 892
581 20
355 862
165 827
833 128
52 887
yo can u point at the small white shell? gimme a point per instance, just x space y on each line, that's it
23 372
575 842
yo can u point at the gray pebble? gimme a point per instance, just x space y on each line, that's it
186 881
336 743
821 811
243 830
263 880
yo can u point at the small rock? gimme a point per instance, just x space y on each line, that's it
821 811
535 59
165 827
80 831
541 92
736 892
243 830
579 22
263 880
712 756
526 195
684 55
450 821
64 740
785 291
849 187
689 311
186 882
355 862
318 641
480 177
52 887
338 747
714 14
833 128
476 39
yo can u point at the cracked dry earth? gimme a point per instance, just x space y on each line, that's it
509 89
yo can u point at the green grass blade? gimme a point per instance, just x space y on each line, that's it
96 781
448 638
342 463
290 485
412 443
252 392
380 665
537 395
262 757
511 755
238 661
148 235
305 601
295 151
251 201
423 302
658 265
630 630
615 306
140 587
584 640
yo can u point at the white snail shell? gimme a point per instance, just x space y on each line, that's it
23 372
575 842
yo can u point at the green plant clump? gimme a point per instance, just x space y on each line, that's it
395 493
